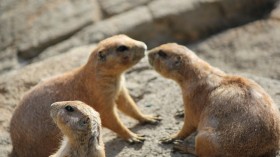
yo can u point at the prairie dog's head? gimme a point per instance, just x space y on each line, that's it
116 54
75 119
171 60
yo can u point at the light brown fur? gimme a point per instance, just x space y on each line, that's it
233 115
81 126
99 83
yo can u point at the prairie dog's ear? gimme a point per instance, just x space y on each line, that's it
84 122
101 56
178 61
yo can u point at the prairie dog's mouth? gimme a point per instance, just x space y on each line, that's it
151 58
141 54
125 60
53 113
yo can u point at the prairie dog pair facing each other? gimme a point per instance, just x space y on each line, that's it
81 126
99 83
234 116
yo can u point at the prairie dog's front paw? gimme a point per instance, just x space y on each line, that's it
151 119
181 147
137 138
180 114
169 139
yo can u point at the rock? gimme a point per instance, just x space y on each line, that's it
193 20
31 26
252 48
133 20
163 21
113 7
59 48
136 19
8 59
155 22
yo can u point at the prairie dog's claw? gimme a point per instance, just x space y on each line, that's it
167 140
136 139
151 119
180 114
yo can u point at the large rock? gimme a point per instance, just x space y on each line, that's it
194 19
135 23
253 48
162 21
179 20
28 27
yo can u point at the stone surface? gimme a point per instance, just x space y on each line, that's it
195 19
134 23
113 7
162 21
253 48
122 23
31 26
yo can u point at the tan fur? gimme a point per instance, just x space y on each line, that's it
81 126
233 115
99 83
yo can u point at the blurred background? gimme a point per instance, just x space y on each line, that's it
42 38
33 30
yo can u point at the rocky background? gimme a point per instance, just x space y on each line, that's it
40 39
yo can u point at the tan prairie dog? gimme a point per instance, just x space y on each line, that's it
99 83
234 116
81 127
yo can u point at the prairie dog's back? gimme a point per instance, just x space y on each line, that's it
81 126
242 109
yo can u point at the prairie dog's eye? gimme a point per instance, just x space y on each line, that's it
162 54
122 48
69 108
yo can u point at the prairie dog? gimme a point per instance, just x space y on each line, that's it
81 127
233 115
99 83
